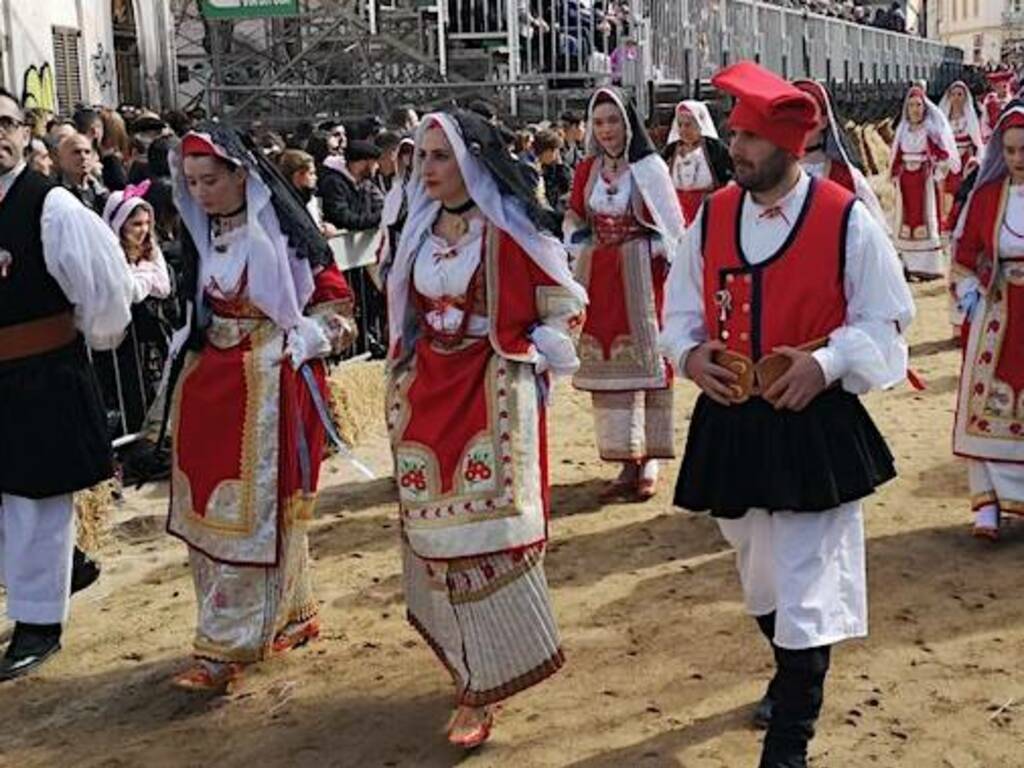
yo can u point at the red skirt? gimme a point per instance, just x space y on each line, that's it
690 200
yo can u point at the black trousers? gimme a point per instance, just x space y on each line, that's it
797 691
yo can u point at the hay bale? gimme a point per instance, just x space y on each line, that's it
93 511
878 147
357 392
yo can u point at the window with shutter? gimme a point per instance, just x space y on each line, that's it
67 68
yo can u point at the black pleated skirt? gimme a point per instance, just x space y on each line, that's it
750 455
53 436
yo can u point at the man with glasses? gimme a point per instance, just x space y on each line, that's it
62 276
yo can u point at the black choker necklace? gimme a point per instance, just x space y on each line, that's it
815 148
231 215
458 210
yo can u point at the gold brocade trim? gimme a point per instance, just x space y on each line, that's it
299 506
421 502
304 612
979 500
250 449
1013 507
204 650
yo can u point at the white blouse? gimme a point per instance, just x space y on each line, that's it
611 199
442 270
691 171
867 352
86 260
221 273
1011 234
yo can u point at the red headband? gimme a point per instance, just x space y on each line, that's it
200 144
1012 120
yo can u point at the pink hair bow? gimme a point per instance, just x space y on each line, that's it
137 190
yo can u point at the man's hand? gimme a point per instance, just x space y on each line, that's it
714 380
803 382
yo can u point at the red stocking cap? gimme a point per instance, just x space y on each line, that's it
768 106
999 76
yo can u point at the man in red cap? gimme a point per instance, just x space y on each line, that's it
787 302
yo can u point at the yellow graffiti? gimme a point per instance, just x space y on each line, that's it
39 91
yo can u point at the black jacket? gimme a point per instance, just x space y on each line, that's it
346 205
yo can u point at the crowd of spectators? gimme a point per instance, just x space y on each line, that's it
881 16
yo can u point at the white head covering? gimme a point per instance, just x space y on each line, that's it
936 125
507 213
279 282
646 166
970 113
993 162
122 204
700 113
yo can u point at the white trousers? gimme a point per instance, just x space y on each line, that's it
37 538
808 568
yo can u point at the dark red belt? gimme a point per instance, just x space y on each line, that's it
37 337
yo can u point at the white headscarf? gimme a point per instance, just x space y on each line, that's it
936 125
647 168
993 164
970 113
700 113
279 282
507 213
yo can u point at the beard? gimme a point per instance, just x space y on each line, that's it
765 176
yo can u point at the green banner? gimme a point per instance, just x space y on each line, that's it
248 9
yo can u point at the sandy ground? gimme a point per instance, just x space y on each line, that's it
663 667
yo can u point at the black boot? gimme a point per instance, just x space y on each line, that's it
84 571
31 645
799 689
762 716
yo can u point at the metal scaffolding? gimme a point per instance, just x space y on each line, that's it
345 58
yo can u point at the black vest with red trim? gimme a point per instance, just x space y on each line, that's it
792 298
28 292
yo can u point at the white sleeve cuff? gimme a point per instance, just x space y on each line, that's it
831 364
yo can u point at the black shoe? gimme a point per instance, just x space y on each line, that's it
31 645
84 571
762 716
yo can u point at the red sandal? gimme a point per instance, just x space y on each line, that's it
473 736
202 677
291 638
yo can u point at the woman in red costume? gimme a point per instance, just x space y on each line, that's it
923 153
957 104
697 159
482 307
249 407
988 279
622 227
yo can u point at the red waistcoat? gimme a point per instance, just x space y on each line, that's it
792 298
841 174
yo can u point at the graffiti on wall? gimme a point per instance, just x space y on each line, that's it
103 71
38 89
